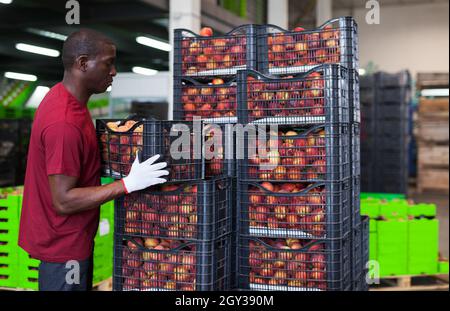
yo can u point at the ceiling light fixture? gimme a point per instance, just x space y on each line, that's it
47 34
144 71
37 50
5 1
20 76
156 44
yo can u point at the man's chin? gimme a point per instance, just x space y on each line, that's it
101 91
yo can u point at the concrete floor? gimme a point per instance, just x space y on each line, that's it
442 202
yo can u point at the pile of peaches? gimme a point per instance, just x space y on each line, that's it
209 101
170 212
282 206
159 264
290 262
301 48
203 53
291 157
284 98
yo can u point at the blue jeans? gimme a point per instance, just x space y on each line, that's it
56 277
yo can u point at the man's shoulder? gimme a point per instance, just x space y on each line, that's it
54 96
53 108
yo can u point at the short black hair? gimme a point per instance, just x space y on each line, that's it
83 42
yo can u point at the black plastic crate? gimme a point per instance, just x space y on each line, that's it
195 211
119 144
355 151
215 100
357 260
395 111
295 210
367 98
400 96
219 145
365 221
396 80
317 96
395 129
360 256
295 153
388 182
368 130
9 172
293 265
287 52
367 82
356 201
354 96
392 149
14 141
172 265
198 56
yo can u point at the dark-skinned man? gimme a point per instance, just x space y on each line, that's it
62 192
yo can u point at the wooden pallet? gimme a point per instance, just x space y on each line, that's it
433 179
433 155
432 80
432 106
433 130
413 283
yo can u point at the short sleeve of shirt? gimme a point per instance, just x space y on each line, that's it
63 146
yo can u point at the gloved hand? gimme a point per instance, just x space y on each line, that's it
145 174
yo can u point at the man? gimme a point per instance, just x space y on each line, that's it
62 191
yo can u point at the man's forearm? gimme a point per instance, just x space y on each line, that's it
78 200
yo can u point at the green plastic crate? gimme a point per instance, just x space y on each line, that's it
29 283
8 246
443 267
392 230
418 267
373 226
392 247
423 246
10 206
389 267
104 242
8 258
382 196
8 275
418 210
370 207
103 267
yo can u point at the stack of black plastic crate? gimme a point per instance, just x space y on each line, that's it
14 140
196 215
205 86
296 221
176 236
285 242
385 137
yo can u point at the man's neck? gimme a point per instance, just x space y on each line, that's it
76 89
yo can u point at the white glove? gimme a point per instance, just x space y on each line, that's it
145 174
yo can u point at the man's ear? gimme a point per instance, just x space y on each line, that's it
81 62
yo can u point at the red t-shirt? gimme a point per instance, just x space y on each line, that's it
63 142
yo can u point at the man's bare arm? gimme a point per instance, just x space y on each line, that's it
69 200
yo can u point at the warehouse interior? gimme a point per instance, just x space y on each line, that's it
398 123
